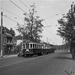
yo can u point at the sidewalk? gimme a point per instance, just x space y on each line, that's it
70 67
8 56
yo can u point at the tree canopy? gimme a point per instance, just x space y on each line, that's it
67 26
32 27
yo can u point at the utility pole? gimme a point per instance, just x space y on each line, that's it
1 34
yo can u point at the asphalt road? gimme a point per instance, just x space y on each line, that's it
58 63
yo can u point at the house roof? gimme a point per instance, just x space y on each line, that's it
7 31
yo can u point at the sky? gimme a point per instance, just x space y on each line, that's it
49 10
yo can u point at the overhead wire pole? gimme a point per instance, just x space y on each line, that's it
1 34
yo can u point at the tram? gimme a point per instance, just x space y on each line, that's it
32 48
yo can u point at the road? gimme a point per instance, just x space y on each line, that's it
58 63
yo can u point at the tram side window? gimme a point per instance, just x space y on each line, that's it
39 46
27 45
33 45
36 46
30 45
23 45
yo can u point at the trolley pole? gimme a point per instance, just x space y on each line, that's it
1 34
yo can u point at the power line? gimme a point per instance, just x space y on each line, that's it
49 26
52 16
11 19
14 20
24 4
17 6
55 14
21 24
51 31
10 12
24 11
47 30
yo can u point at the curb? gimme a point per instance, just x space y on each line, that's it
8 56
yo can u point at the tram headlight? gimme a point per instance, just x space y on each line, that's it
27 50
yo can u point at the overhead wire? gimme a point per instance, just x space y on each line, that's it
49 31
51 16
29 8
11 19
17 6
24 4
55 14
21 24
10 12
45 21
50 26
25 12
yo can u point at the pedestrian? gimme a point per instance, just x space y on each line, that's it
73 49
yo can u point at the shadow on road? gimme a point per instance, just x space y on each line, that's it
64 57
65 53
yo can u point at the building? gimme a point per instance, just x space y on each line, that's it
9 42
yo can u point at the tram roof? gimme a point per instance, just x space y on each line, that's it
31 42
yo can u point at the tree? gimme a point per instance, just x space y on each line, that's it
32 27
67 24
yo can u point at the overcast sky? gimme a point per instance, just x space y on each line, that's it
50 10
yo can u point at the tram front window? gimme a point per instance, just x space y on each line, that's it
27 45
